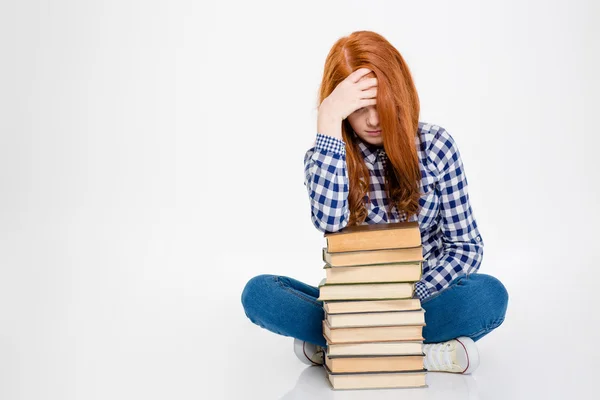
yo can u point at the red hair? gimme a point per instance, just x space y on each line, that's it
398 108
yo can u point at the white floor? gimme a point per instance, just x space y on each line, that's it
75 326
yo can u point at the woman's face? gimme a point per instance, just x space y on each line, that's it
365 122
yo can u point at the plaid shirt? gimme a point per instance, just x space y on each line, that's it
452 244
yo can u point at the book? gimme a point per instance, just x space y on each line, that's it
404 348
373 322
413 317
362 291
372 333
392 235
395 272
353 306
376 380
384 363
366 257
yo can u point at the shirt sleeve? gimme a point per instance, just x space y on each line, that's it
326 180
462 241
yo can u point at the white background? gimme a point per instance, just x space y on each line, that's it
151 163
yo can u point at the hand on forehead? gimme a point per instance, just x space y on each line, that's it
368 76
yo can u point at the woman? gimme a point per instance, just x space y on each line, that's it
368 130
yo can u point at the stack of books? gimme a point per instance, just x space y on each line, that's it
373 321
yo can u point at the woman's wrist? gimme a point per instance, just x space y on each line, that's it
328 123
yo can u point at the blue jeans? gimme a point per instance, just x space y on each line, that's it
472 305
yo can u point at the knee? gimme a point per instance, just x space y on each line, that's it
254 291
493 292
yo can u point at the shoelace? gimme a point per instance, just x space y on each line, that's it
438 356
319 349
321 356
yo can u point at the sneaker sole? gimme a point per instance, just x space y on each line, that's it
472 354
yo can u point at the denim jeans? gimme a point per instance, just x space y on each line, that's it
472 305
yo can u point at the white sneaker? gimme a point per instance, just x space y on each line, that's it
308 353
458 355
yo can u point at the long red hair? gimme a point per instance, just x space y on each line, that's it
398 108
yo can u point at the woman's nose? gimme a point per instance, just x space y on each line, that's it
373 117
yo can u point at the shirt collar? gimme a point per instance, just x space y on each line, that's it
370 152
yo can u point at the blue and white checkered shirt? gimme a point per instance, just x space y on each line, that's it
452 244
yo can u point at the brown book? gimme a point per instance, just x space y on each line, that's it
374 364
415 317
392 235
364 291
376 380
352 306
368 257
404 348
372 333
397 272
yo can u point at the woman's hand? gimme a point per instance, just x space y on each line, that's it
348 96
